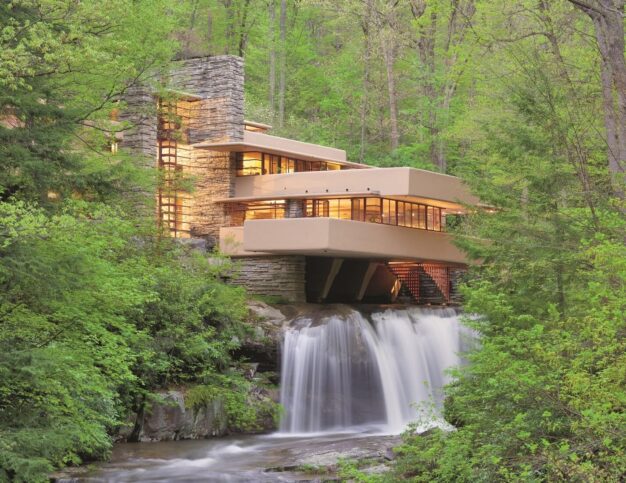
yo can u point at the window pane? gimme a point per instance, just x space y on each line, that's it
358 212
372 210
265 211
321 208
421 218
437 219
249 164
308 208
386 214
267 167
345 209
333 208
400 209
275 164
430 221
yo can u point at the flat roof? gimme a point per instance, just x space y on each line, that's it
259 125
256 141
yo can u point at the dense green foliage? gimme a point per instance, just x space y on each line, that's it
97 310
92 321
512 94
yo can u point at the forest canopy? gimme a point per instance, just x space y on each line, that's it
525 100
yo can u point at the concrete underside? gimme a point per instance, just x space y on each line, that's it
347 280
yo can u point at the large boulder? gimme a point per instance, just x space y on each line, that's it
168 419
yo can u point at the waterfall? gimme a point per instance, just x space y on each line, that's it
342 369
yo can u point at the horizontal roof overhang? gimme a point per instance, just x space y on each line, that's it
258 125
257 141
346 238
406 184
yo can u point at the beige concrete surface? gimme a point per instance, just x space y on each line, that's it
400 183
350 239
231 242
258 141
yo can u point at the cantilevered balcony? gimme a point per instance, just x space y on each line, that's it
339 238
401 183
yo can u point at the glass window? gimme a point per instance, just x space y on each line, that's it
345 209
437 219
430 220
358 209
387 211
265 210
322 208
308 208
372 210
422 216
400 214
392 212
267 164
249 164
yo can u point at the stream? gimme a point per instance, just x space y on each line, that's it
351 382
258 458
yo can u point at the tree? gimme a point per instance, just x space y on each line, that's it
608 20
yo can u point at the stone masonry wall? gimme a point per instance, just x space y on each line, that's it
281 276
141 113
218 117
215 115
219 81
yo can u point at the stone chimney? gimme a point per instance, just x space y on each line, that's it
211 93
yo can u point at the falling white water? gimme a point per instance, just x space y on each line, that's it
342 371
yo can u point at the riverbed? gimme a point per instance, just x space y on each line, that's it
259 458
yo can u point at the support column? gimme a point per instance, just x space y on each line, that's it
330 278
367 277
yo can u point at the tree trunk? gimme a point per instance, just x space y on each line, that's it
243 32
426 53
189 35
230 26
389 54
367 30
209 32
283 53
608 21
272 59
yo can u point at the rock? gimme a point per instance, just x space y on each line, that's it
368 452
170 420
262 347
389 454
266 313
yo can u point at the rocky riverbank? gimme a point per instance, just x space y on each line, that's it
258 458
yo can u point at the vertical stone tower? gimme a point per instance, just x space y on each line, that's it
201 100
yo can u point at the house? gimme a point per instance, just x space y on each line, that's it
305 223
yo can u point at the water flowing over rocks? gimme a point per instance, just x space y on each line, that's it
345 368
351 377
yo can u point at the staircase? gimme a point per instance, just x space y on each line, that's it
427 283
